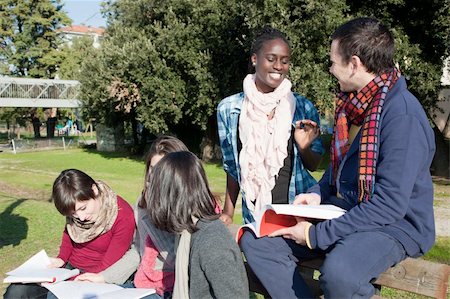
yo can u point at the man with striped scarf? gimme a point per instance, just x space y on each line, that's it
379 171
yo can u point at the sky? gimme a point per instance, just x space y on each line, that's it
84 11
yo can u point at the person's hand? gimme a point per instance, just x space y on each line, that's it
226 219
92 277
307 199
296 232
56 262
305 132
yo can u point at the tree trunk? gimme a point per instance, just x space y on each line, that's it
209 147
134 131
441 164
51 124
36 127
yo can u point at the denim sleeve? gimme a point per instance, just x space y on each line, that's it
224 130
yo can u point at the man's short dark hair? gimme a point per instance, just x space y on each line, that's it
368 39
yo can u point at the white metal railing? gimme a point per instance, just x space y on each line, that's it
27 92
26 145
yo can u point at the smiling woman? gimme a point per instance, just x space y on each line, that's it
269 135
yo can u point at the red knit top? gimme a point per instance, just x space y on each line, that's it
100 253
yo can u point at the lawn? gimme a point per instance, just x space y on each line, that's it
29 222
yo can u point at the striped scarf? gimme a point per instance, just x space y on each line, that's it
361 109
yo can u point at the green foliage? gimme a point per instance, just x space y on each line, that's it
69 58
14 116
185 56
28 35
173 52
28 40
422 33
94 79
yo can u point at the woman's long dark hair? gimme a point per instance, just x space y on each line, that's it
161 146
179 190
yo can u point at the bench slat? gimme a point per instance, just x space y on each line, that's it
417 276
411 275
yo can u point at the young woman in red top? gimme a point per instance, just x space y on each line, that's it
99 230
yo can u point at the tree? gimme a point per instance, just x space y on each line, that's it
183 57
68 58
171 51
28 34
14 118
28 39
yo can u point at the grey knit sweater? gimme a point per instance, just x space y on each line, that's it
216 269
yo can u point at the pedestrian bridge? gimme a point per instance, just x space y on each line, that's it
25 92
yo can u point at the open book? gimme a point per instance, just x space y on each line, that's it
88 290
277 216
35 270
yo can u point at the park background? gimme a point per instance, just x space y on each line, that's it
29 221
162 67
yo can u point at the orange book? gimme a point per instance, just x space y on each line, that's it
277 216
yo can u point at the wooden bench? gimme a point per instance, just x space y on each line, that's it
412 275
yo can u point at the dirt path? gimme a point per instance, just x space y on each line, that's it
442 217
442 206
24 193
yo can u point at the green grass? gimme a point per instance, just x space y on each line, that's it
29 222
36 171
440 252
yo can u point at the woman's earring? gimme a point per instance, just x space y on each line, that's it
254 64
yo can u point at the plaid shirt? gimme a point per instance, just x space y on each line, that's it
228 113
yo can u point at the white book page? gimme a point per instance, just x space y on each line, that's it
36 269
86 290
308 211
79 289
39 261
42 275
133 293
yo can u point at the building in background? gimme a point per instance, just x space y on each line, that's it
76 31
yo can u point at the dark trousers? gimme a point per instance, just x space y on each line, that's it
349 266
30 290
25 291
